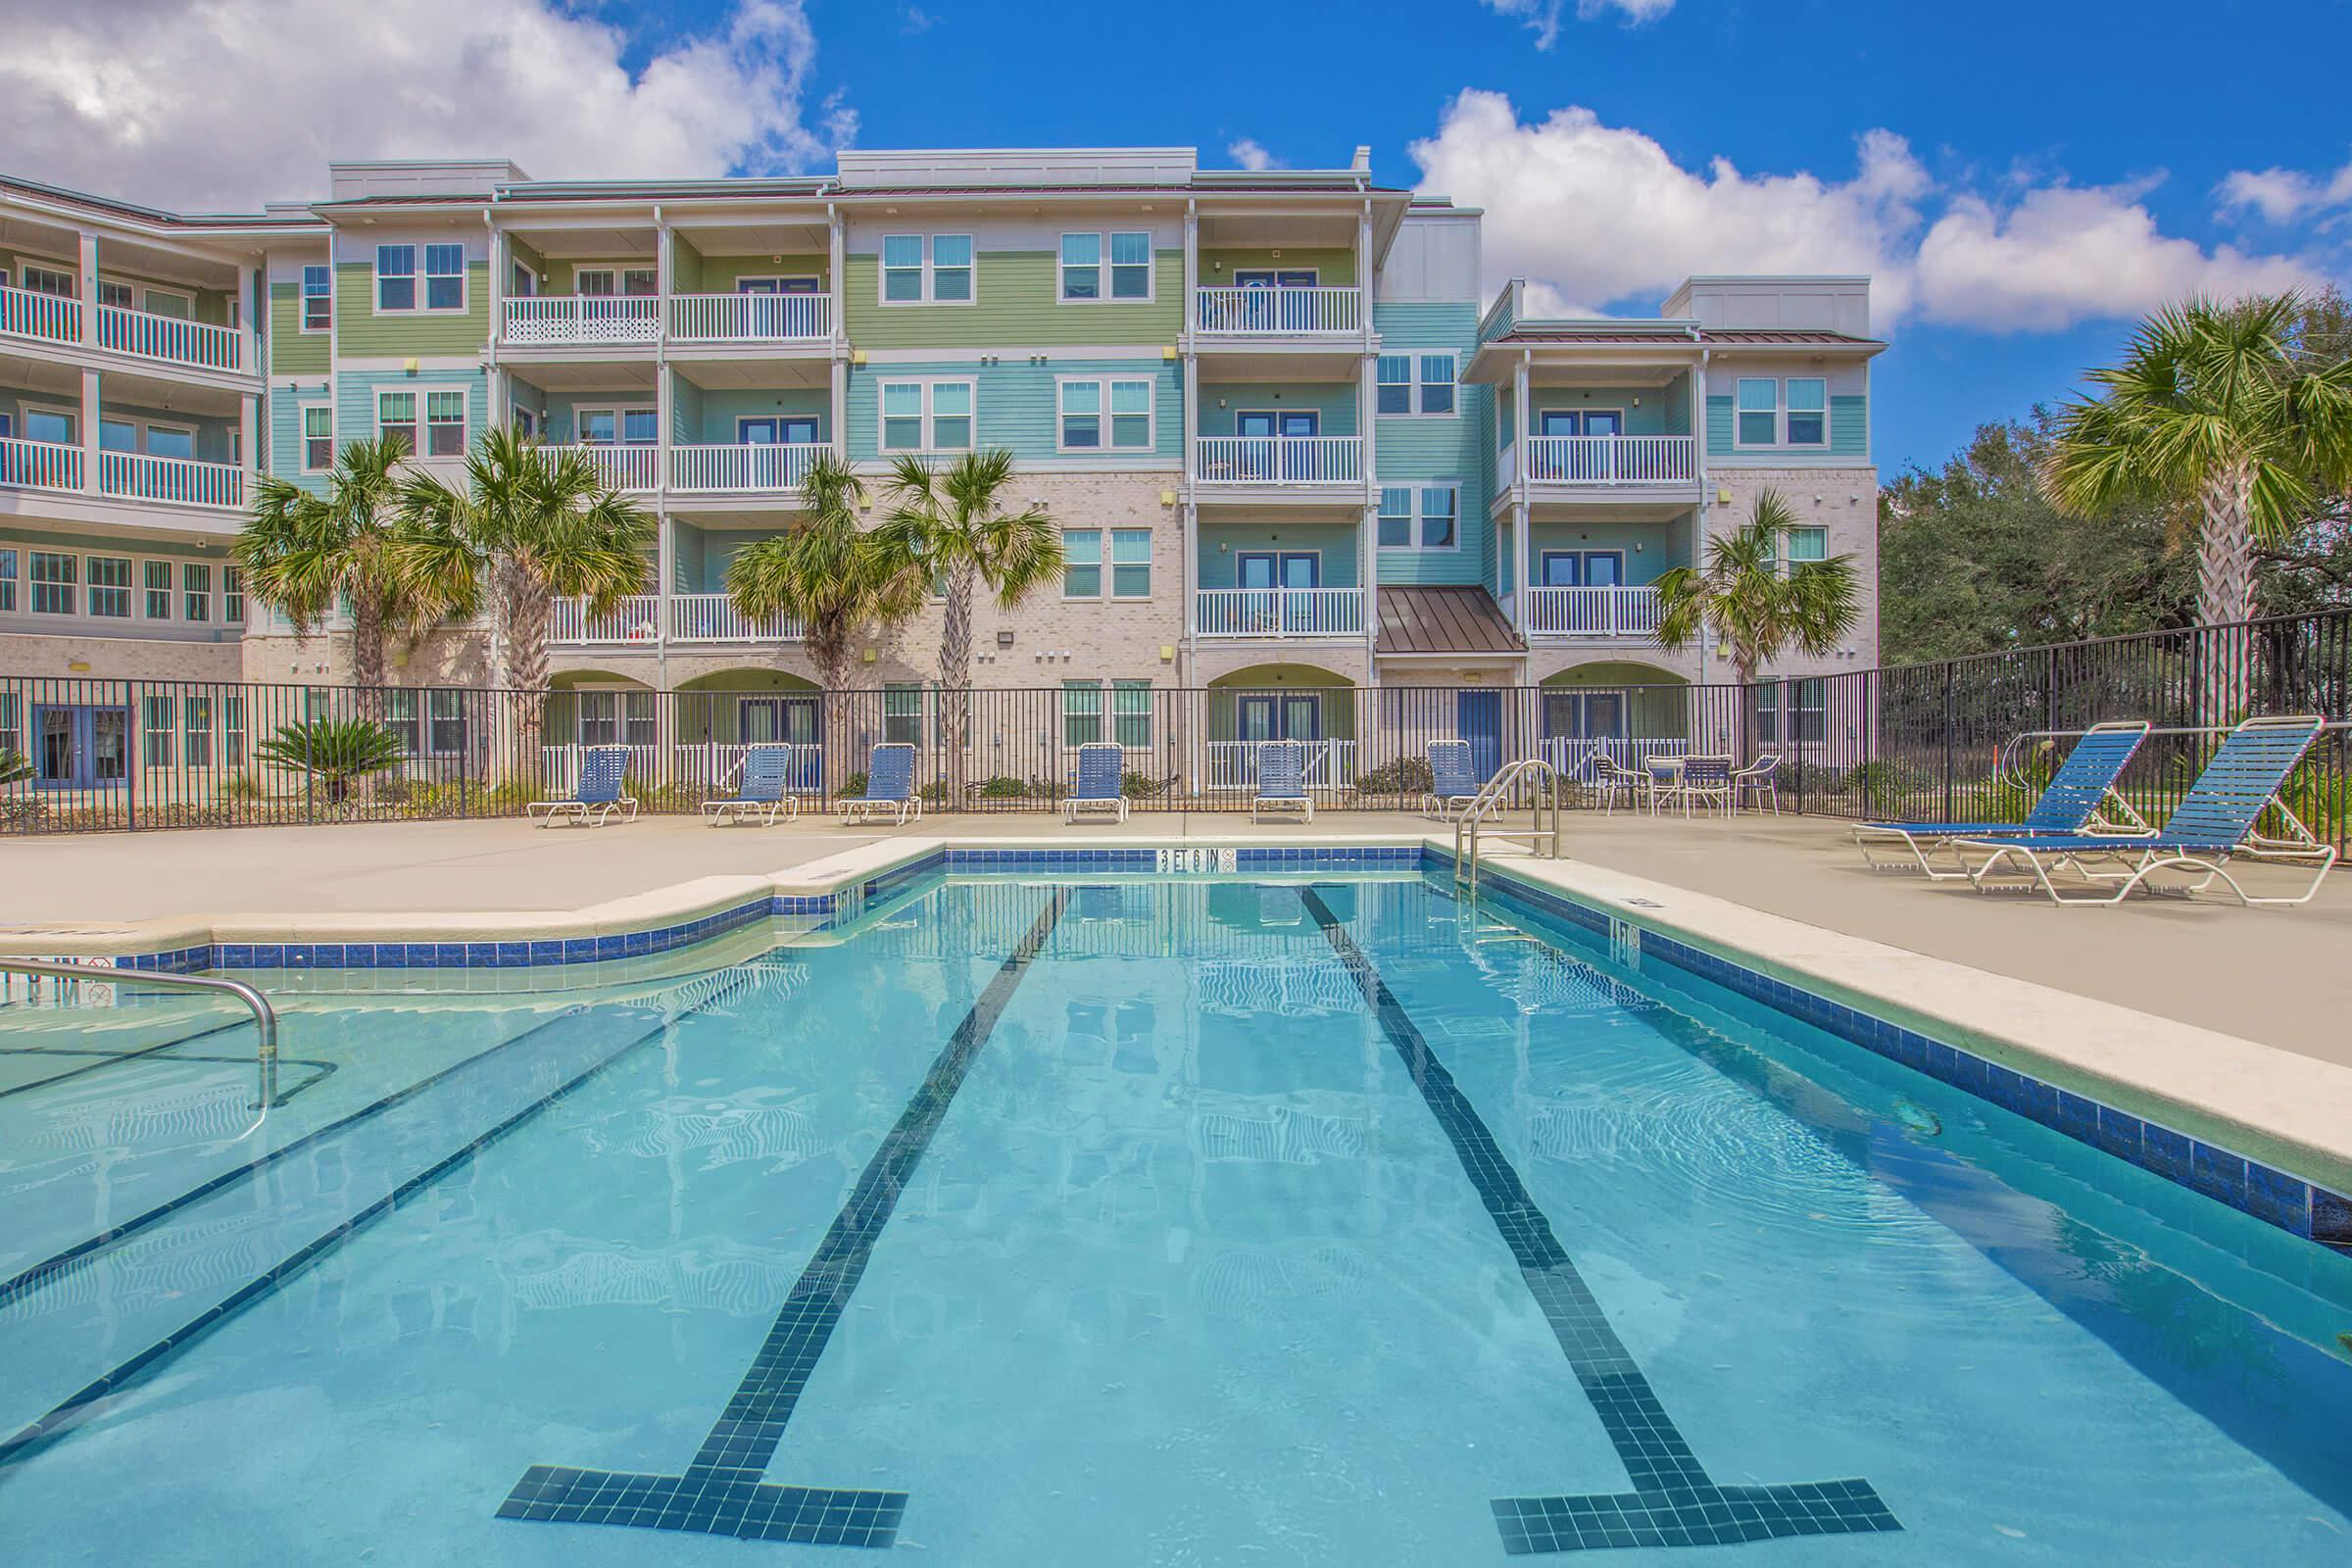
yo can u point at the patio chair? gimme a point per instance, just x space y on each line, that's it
1705 781
888 786
2082 798
1102 781
598 797
2216 822
1609 779
762 789
1453 781
1760 779
1282 780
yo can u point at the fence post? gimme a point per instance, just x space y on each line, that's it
1951 725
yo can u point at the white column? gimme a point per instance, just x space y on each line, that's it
1191 275
89 424
89 302
1520 531
837 249
1367 553
257 301
248 428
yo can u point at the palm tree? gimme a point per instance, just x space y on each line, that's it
336 752
1743 597
948 526
301 553
827 573
2221 410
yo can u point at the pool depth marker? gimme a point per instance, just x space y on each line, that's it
722 1493
1674 1501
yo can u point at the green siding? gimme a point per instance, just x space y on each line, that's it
1335 265
1222 545
360 331
716 274
1334 403
1850 433
292 351
1015 404
1015 307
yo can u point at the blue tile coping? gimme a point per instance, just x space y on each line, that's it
2274 1197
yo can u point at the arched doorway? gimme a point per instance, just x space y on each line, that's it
1623 709
717 717
1279 703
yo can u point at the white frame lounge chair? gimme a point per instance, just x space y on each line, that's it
762 789
1711 785
1453 781
598 797
2081 798
2216 822
1608 776
1282 780
1761 776
1102 782
883 774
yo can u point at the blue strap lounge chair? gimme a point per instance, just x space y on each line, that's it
888 786
1282 780
2081 798
763 790
599 797
1453 781
2216 822
1102 773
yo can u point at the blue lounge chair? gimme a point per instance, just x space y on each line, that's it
2081 798
888 786
1282 780
1102 773
762 789
2216 822
1453 781
604 771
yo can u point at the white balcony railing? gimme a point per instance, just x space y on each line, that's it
1611 460
28 312
635 619
171 339
1278 312
1275 460
542 319
1233 764
39 465
142 477
713 619
1629 612
751 318
622 467
742 469
1280 613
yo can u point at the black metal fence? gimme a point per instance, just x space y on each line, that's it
1969 739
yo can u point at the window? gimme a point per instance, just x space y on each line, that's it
400 717
926 270
1130 563
49 425
1801 547
1437 383
617 719
1808 412
1395 383
524 284
1131 712
1131 416
1081 712
116 294
1081 563
1131 267
1810 715
232 596
48 280
1437 516
1759 412
171 441
156 577
1082 414
196 592
318 438
53 577
117 435
903 712
233 728
445 277
926 416
1419 516
1082 257
12 734
158 718
396 278
318 299
1081 266
1768 713
196 730
445 713
109 587
8 581
445 424
395 416
1395 517
634 282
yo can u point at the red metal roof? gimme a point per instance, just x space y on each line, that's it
1442 621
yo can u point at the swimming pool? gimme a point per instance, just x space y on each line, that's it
1132 1219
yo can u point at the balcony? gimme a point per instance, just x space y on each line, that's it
620 467
1279 612
713 619
123 475
28 312
754 469
1279 460
1615 461
633 620
140 334
573 320
39 465
637 622
1592 611
751 319
1278 312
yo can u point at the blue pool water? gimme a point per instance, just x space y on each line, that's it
1314 1221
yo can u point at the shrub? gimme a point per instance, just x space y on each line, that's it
853 785
933 793
15 767
335 752
1407 775
243 787
1140 786
1005 788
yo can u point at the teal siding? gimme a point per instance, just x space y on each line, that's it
1015 405
687 559
1222 545
561 411
1849 433
1651 549
715 423
685 412
286 438
1418 448
1334 403
1664 411
355 398
700 558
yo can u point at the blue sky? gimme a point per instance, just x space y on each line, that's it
2021 181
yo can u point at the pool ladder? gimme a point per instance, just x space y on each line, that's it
265 1016
1535 773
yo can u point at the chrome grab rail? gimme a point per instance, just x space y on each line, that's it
1490 799
265 1016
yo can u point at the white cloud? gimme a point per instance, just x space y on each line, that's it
2282 195
1543 16
1248 154
1604 213
232 101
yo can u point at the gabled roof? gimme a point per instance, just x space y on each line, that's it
1442 621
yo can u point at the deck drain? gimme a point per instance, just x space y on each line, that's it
1919 1119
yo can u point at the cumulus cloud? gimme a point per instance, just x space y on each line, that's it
2283 195
232 101
1543 16
1601 213
1248 154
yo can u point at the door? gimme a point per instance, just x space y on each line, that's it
763 431
1256 458
80 747
1302 457
797 721
1300 568
1581 726
1477 719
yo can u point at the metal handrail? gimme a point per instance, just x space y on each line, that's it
265 1016
1490 799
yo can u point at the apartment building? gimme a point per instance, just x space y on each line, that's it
1292 452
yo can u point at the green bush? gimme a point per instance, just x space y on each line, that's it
335 752
243 787
1005 788
1140 786
1407 775
853 785
933 793
15 767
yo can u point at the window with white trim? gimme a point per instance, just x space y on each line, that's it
1082 417
155 577
1808 398
49 425
926 416
1802 547
160 720
110 586
233 728
196 730
319 437
8 581
1764 417
195 592
232 596
48 280
395 416
1081 563
1406 383
54 577
445 277
111 292
1081 712
318 299
1425 517
617 719
902 712
1394 383
395 277
630 282
444 423
1131 712
1083 265
1437 383
446 722
12 733
927 270
1130 563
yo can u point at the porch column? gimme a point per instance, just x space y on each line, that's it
90 413
665 573
1520 578
249 425
836 246
840 377
1367 555
664 390
89 301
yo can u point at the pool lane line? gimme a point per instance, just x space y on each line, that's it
722 1493
115 1057
1674 1502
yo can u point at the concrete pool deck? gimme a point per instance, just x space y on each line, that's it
2278 976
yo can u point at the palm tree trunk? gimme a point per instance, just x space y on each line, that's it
2225 590
955 674
530 610
368 650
